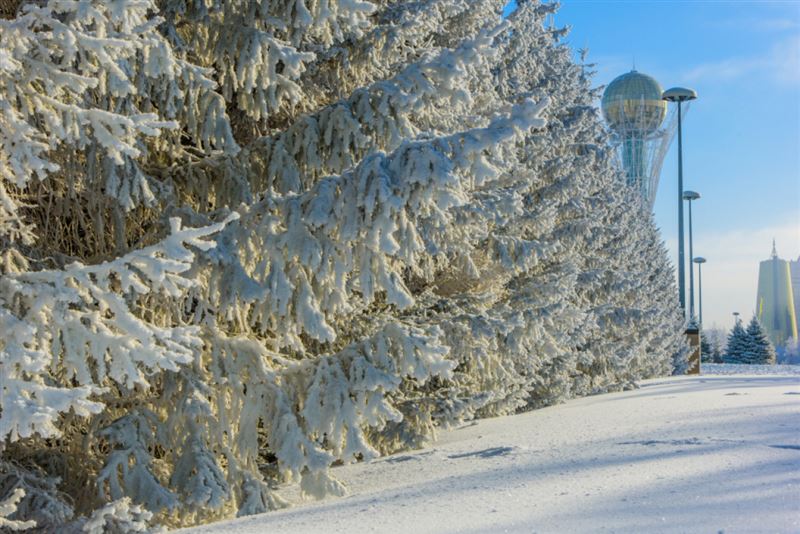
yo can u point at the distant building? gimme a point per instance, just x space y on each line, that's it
776 306
794 271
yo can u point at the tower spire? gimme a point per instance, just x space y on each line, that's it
774 250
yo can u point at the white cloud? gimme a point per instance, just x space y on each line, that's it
774 24
730 278
779 64
762 24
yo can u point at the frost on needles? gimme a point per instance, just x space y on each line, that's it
242 242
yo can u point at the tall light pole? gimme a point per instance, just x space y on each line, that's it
689 196
680 95
735 318
700 261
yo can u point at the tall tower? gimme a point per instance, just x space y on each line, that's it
775 307
635 113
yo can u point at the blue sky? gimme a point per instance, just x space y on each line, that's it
741 137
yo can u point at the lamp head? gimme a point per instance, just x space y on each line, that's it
679 94
699 259
691 195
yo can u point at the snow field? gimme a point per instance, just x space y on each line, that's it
682 454
739 369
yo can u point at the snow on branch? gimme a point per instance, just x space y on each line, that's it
77 326
242 399
377 116
53 56
96 77
303 22
336 137
405 33
258 49
316 411
307 254
119 516
255 69
8 507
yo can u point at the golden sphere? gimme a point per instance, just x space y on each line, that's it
632 103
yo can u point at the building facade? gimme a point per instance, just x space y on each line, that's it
794 273
776 306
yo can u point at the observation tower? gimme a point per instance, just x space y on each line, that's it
640 129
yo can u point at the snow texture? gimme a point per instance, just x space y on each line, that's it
749 369
685 454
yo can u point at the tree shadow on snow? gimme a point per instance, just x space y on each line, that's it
485 453
702 384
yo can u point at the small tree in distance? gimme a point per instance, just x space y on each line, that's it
715 338
760 349
716 351
706 350
737 344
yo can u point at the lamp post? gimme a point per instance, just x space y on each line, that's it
735 318
680 95
689 196
700 261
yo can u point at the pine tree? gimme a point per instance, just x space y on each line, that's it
717 351
241 242
706 349
760 350
737 346
716 341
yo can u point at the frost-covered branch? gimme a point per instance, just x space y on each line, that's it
308 253
8 507
379 116
77 327
259 50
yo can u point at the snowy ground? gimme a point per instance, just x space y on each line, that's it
734 369
684 454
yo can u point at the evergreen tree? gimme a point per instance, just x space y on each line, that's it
241 242
706 349
717 351
737 346
716 340
759 347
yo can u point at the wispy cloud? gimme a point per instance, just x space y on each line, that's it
780 64
761 24
775 24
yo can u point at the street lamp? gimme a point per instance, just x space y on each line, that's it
689 196
700 261
680 95
735 318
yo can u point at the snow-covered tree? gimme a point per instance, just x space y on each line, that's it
706 348
790 353
759 348
749 346
715 337
241 242
737 345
